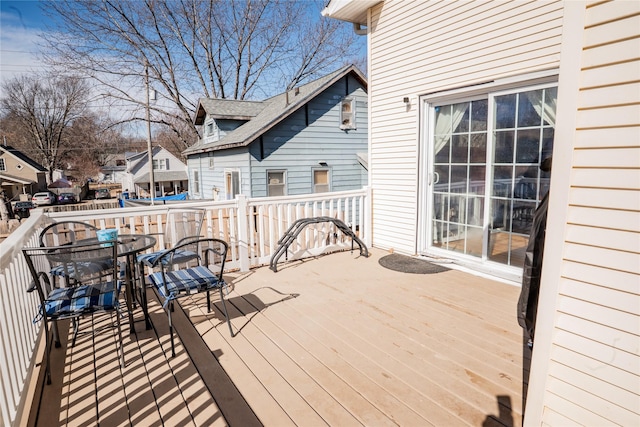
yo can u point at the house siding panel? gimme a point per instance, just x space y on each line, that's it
460 44
592 370
233 159
297 148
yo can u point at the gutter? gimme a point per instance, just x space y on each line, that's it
357 28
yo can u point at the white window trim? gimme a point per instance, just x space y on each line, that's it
228 172
196 182
284 178
313 182
352 125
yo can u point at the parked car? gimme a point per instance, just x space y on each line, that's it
44 198
22 209
67 198
102 193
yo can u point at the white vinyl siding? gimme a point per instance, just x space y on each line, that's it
419 48
591 306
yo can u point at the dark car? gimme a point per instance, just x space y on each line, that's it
22 209
102 193
67 198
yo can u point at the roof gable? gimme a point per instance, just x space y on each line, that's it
229 109
277 109
20 156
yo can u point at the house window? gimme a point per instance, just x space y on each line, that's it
212 131
276 183
232 184
486 154
348 114
160 164
3 166
320 180
196 182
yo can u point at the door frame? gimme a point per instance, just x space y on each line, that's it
426 118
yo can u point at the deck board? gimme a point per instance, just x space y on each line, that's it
337 340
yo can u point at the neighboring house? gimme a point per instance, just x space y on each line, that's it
465 100
115 169
310 139
19 174
169 173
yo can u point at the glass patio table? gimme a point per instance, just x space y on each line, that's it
129 246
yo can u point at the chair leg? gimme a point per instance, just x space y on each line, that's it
76 326
169 310
119 323
55 334
47 350
144 302
224 308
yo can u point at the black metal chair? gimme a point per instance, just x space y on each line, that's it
181 223
89 289
67 233
202 273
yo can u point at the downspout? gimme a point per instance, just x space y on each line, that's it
357 28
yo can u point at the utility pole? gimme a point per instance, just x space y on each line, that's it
152 184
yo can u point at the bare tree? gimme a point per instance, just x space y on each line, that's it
92 143
195 48
46 106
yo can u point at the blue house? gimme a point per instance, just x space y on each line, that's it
309 139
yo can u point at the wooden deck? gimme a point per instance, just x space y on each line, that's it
337 340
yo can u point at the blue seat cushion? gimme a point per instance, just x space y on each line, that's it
84 268
185 281
179 256
72 301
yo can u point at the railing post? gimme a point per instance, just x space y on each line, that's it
243 232
367 227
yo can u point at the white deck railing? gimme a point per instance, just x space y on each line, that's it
252 227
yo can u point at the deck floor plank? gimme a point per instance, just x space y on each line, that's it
80 406
216 335
291 361
112 406
279 389
415 364
334 340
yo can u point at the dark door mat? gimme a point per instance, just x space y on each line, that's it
408 264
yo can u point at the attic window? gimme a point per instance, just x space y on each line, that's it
348 114
160 164
3 167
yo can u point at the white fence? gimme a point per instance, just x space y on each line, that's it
252 227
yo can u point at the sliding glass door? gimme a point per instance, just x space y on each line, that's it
485 180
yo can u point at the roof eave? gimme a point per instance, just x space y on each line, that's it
349 10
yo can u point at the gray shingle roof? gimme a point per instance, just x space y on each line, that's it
227 109
274 110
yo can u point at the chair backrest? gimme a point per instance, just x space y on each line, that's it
65 232
182 223
85 264
211 253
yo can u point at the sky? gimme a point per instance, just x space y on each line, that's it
20 24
